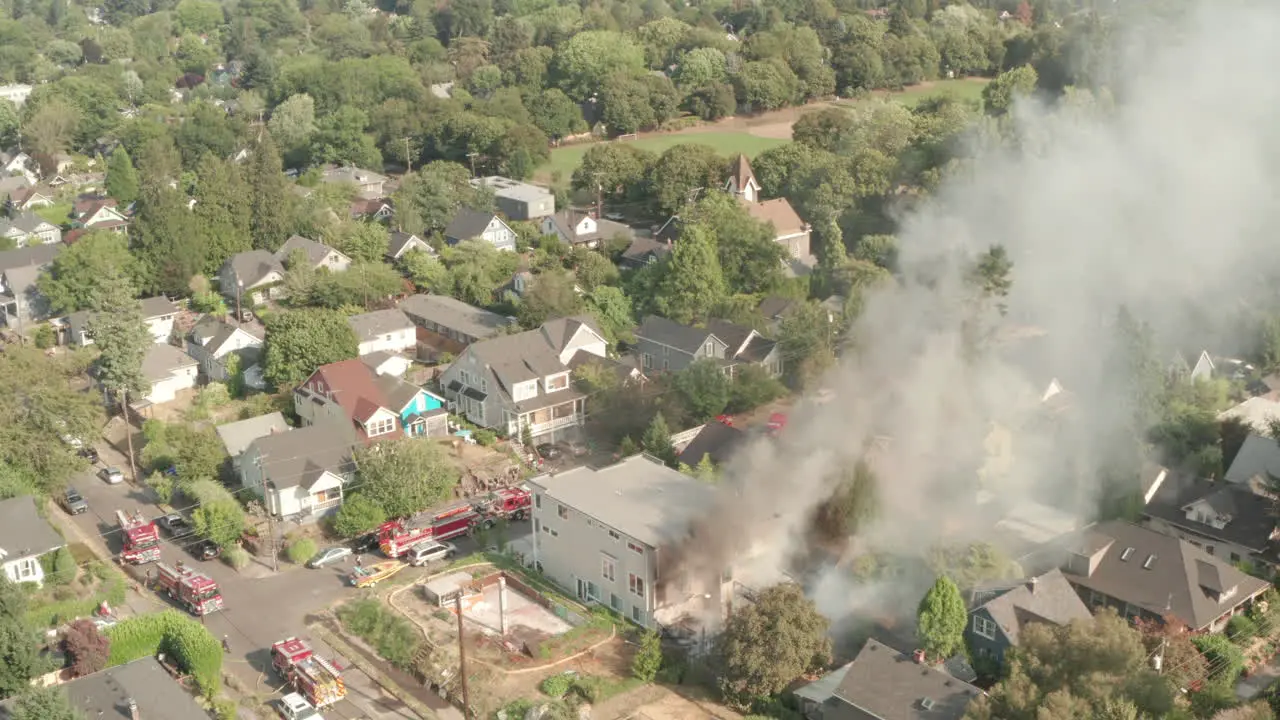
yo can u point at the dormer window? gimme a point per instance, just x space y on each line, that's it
556 382
381 427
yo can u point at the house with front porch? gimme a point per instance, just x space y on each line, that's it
27 228
376 407
301 473
157 312
668 346
523 380
214 341
94 212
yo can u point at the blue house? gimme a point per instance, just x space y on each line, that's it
379 407
995 623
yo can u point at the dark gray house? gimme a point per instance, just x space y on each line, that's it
1232 521
139 690
884 684
668 346
999 614
471 224
643 251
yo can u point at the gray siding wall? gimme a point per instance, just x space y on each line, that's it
675 360
980 645
574 548
1218 548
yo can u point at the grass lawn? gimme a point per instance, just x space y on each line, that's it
564 160
59 213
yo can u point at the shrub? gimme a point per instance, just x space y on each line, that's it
162 484
1241 628
44 337
189 643
236 556
485 438
225 709
556 685
395 639
87 648
1226 659
648 659
357 516
59 567
301 550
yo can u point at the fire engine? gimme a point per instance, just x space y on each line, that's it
395 537
197 592
140 537
312 676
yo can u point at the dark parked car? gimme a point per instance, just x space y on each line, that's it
207 549
176 525
547 451
365 544
73 502
88 453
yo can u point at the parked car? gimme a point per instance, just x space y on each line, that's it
112 475
207 550
328 556
365 544
295 707
430 551
547 451
176 525
89 453
74 502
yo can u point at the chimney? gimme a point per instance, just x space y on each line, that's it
919 657
502 605
1032 585
133 710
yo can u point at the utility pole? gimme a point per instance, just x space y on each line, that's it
128 430
239 289
271 518
462 659
472 157
408 161
599 201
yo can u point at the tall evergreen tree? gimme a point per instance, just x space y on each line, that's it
20 658
222 211
122 178
167 243
268 214
941 619
120 334
692 282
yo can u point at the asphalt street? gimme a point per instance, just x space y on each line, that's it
262 607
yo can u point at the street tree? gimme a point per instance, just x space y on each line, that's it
300 341
769 643
193 453
76 273
20 644
121 336
122 178
1000 94
940 619
44 703
552 294
682 173
691 281
219 516
268 209
704 388
358 515
405 476
87 648
39 404
657 441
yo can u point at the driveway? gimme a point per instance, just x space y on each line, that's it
260 610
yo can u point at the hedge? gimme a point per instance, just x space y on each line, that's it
188 642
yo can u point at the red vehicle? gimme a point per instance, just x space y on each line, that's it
197 592
725 420
511 503
777 422
312 676
140 537
395 537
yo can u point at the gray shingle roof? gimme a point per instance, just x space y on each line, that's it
890 685
1048 598
301 456
211 332
253 266
468 224
716 441
30 256
1161 574
670 332
642 247
23 532
397 241
105 695
1258 457
447 312
314 251
163 359
1250 519
531 354
370 325
236 436
637 496
154 307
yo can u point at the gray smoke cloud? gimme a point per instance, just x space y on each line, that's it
1165 203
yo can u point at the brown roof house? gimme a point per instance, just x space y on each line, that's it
668 346
791 231
376 407
1145 574
884 684
579 228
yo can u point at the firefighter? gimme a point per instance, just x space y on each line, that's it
226 644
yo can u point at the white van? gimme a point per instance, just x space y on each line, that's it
429 550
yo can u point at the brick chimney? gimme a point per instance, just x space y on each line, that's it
919 657
133 710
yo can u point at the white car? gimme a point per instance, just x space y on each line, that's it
329 555
295 707
112 475
430 550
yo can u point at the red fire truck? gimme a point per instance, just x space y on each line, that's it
395 537
511 503
140 537
196 592
311 675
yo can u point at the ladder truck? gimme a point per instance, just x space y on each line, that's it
311 675
140 538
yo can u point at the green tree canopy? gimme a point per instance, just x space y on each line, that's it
122 178
704 388
120 334
403 477
769 643
300 341
76 274
691 281
941 618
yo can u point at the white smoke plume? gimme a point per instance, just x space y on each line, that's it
1166 204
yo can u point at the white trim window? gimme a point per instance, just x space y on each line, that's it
382 427
984 627
608 567
27 568
635 584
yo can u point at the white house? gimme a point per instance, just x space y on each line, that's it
471 224
384 331
170 371
27 228
319 255
214 339
16 93
24 537
157 312
301 473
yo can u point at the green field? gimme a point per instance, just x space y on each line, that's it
565 160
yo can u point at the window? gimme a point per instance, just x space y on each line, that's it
387 338
593 592
1208 549
614 535
557 382
984 627
635 583
666 364
563 512
635 548
615 602
608 567
709 349
1235 557
537 500
637 614
537 526
1124 556
648 361
27 569
381 427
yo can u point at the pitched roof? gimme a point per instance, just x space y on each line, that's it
1160 573
302 455
1247 519
774 307
641 247
1258 457
253 266
105 695
211 331
23 532
890 685
360 390
531 354
236 436
1047 598
30 256
468 224
447 312
371 325
637 496
163 359
1255 412
741 173
315 252
154 307
397 242
28 221
670 332
733 334
779 212
716 441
